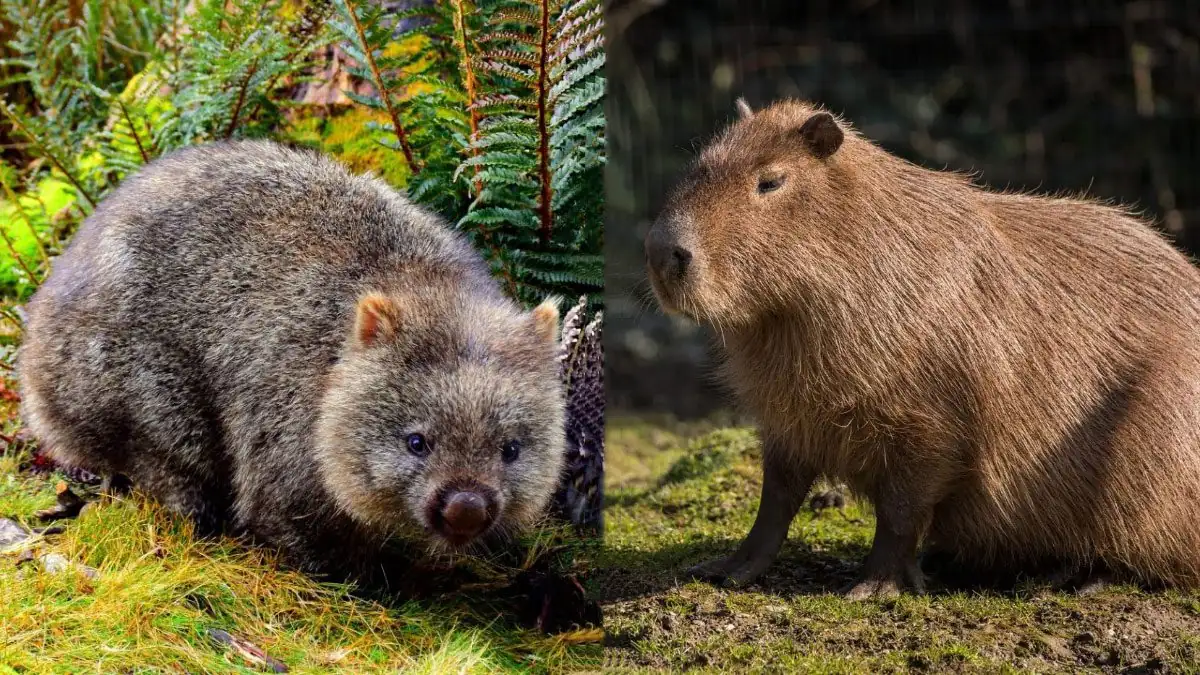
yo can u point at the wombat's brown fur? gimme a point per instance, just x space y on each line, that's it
1010 378
261 340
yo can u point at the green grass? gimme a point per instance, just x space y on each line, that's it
160 590
679 494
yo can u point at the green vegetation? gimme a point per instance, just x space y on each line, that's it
489 112
159 592
679 494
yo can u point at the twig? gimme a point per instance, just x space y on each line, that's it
16 202
460 34
17 256
46 152
302 47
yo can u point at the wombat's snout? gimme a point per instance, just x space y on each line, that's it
668 259
465 512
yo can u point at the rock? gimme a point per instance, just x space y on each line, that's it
12 534
56 563
1057 647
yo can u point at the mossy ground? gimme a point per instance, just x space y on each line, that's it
678 494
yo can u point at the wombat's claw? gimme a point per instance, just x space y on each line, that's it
115 485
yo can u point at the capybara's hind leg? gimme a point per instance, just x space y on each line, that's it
785 485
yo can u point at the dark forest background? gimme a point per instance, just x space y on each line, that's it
1099 96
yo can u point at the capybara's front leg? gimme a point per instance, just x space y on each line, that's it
903 510
785 485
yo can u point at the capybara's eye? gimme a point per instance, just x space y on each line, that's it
417 445
771 184
511 451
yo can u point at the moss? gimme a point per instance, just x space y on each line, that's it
679 494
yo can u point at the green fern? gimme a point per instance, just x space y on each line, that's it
509 142
494 105
540 147
64 52
94 89
241 43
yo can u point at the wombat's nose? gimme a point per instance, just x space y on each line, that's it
465 514
667 258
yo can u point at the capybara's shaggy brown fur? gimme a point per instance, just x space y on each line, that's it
1009 378
267 343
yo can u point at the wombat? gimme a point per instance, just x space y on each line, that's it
1008 378
276 347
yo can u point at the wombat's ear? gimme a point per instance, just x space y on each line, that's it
376 318
822 135
744 109
545 319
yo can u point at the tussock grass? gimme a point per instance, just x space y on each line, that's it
160 591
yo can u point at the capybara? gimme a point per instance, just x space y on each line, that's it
276 347
1008 378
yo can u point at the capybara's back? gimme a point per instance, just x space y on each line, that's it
1008 377
257 337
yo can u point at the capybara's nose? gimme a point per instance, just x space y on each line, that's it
465 514
667 258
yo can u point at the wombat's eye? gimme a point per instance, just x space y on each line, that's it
511 451
417 445
770 184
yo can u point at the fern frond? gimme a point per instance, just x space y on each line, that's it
368 37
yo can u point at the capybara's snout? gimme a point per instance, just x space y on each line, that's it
667 257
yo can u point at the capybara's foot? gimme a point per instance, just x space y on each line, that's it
730 571
871 589
1082 580
875 586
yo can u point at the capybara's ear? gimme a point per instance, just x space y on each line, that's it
822 135
545 319
377 318
744 110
